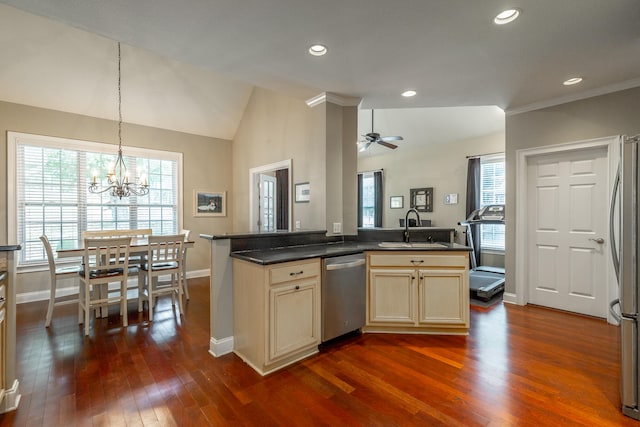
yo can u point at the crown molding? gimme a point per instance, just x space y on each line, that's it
574 97
343 101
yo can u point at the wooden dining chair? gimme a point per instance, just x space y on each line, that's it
58 273
134 260
164 258
106 260
185 284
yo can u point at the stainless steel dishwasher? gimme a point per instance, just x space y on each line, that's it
344 281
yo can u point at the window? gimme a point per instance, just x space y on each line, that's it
370 199
492 193
51 178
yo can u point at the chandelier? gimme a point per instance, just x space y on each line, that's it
118 180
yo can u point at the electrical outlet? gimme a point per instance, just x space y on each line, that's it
298 225
337 227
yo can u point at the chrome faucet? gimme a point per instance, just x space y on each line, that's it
406 223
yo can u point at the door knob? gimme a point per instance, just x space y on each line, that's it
599 240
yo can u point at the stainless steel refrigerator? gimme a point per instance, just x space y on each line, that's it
626 261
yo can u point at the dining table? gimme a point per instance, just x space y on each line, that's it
139 246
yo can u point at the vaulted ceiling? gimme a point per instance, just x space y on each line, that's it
191 65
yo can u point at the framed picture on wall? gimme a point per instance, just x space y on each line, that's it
209 203
303 192
421 199
396 202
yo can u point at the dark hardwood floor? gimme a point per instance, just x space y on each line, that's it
520 366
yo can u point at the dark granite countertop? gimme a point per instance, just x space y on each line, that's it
327 250
9 248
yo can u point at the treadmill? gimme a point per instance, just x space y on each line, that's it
484 281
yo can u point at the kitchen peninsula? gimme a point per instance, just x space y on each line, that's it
427 280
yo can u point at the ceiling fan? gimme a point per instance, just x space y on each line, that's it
372 137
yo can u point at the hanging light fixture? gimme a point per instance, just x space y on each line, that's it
117 176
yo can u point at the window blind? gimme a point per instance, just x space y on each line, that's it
52 177
492 192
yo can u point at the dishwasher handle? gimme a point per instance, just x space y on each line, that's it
340 266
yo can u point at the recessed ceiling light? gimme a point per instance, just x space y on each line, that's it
572 81
507 16
409 93
318 50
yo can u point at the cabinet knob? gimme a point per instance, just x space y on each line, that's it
296 273
2 299
417 261
297 287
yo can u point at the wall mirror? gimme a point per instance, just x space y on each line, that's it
270 197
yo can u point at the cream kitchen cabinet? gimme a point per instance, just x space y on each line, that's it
276 312
425 292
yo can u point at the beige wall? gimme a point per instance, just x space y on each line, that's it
276 128
207 165
601 116
441 166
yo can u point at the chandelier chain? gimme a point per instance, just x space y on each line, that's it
117 176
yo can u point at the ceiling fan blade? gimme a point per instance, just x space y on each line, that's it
387 144
392 138
363 145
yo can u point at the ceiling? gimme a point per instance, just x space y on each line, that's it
450 52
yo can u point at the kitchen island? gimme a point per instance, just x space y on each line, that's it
273 282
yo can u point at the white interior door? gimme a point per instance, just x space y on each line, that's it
267 202
567 227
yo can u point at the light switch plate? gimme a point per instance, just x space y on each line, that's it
451 199
337 227
298 225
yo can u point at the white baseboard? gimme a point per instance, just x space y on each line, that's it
43 295
510 298
220 347
11 398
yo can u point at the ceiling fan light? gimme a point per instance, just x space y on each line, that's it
506 16
572 81
409 93
318 50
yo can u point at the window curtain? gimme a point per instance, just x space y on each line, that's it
377 183
282 199
473 200
359 200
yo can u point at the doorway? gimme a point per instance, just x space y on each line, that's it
269 197
563 246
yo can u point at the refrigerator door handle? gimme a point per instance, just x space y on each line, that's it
612 225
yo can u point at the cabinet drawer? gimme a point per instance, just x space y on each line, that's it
291 271
419 260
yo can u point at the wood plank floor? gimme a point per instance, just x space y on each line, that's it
520 366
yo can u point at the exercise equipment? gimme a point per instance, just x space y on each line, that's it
484 281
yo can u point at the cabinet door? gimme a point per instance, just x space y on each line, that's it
392 296
443 297
294 317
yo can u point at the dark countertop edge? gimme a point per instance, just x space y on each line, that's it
9 248
252 234
402 228
298 253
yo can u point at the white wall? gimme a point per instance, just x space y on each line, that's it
441 166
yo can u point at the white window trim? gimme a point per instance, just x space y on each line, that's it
13 138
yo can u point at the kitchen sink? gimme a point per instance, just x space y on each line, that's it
416 245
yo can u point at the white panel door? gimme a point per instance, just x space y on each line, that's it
567 229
